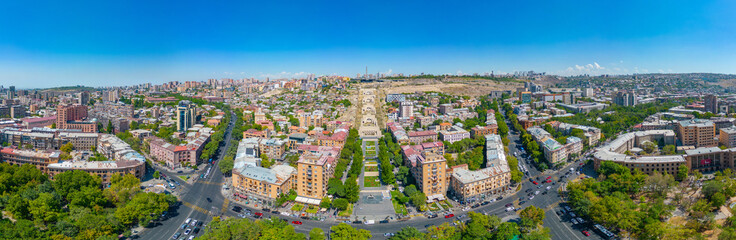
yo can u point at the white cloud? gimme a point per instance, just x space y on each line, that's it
283 74
590 68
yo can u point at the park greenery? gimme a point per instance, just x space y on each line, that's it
73 205
640 205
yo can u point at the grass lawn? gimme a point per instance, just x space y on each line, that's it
399 208
312 209
371 181
371 168
434 207
347 212
445 204
297 207
370 152
185 177
371 162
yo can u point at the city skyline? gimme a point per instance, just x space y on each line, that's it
104 44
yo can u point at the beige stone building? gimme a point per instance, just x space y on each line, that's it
313 172
430 174
263 183
697 132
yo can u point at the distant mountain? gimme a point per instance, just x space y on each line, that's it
68 89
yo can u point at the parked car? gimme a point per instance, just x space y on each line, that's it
176 236
186 232
586 233
258 215
188 220
449 215
296 222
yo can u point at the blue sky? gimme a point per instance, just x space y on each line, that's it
102 43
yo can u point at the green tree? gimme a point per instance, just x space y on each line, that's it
265 161
444 231
71 181
408 233
533 213
232 228
506 230
419 200
67 148
352 191
316 234
45 208
669 149
682 172
325 203
335 187
156 174
122 188
19 207
343 231
143 208
480 225
717 200
226 165
341 204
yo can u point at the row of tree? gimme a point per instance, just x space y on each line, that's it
274 228
482 226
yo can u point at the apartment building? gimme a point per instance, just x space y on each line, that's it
313 172
727 137
454 134
483 130
74 116
123 160
555 152
697 132
430 173
177 156
493 179
274 148
418 137
40 159
104 169
258 183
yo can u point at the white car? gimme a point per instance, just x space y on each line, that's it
186 232
188 220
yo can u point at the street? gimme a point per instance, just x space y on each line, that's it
201 200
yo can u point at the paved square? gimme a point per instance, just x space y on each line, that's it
373 206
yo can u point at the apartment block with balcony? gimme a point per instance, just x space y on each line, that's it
313 172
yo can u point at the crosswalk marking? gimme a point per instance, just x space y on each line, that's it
196 208
209 183
224 205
